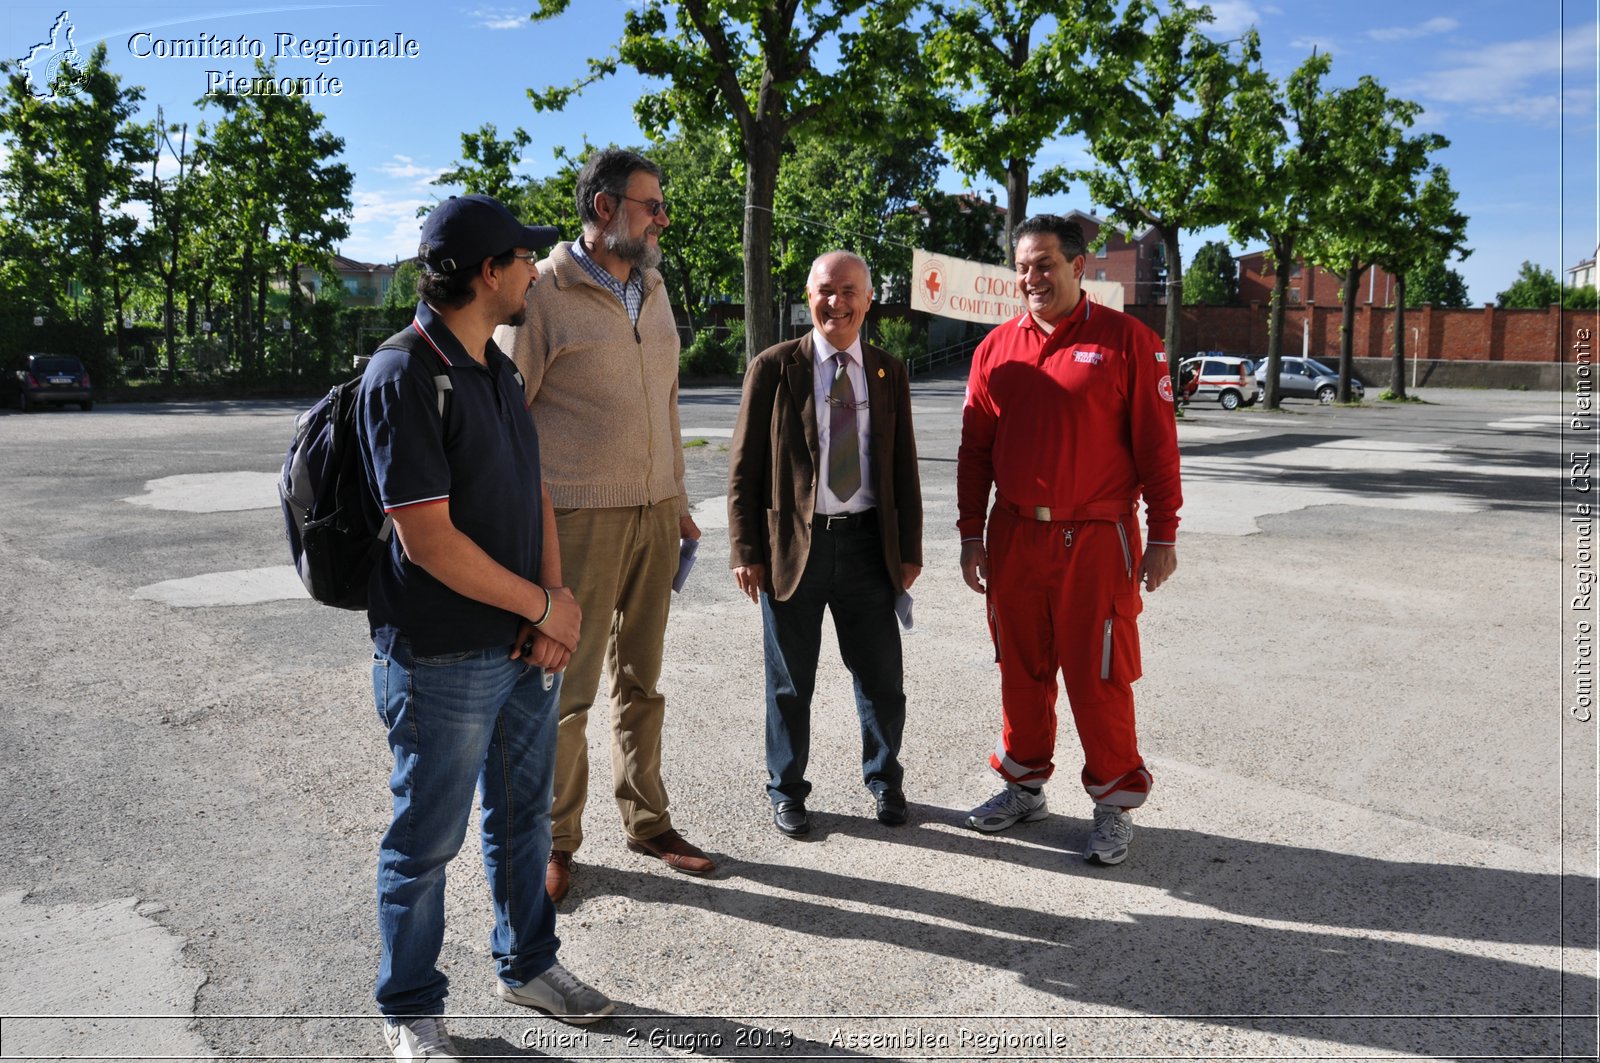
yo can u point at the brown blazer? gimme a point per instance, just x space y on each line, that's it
772 476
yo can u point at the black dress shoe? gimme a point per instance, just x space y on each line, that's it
891 807
791 818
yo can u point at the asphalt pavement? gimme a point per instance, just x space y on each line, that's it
1372 832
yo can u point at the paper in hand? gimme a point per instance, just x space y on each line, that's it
686 551
902 609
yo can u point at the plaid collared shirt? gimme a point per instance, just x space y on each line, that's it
631 293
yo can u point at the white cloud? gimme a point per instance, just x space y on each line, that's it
384 225
500 18
1232 17
405 167
1410 33
1512 79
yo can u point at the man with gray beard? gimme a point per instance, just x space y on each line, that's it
599 353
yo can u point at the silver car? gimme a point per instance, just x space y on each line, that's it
1307 378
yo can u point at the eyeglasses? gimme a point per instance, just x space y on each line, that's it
656 207
531 256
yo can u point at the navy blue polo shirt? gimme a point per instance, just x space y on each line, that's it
483 458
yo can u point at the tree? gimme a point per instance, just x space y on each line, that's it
760 74
278 201
1439 285
1002 98
1377 167
703 181
1286 165
1534 288
963 225
1583 297
865 193
71 172
1161 133
170 215
488 166
1427 228
1213 277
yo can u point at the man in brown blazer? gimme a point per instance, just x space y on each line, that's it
825 512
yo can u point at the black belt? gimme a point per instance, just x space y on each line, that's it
844 521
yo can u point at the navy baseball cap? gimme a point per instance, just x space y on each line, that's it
464 230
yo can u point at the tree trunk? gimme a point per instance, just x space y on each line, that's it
1397 372
1347 325
1174 333
1283 256
1016 204
760 186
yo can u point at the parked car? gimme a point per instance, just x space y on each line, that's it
1218 376
1307 378
41 379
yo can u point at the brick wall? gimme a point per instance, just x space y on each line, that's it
1485 334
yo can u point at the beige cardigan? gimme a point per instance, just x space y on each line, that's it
603 393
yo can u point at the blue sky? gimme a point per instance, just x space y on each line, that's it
1512 85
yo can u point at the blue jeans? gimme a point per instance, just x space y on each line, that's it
844 574
456 721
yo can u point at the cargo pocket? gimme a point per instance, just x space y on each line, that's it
1119 645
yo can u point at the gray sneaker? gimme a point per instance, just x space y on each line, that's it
559 994
1009 806
423 1037
1108 842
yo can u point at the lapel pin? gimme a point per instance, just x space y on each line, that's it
880 374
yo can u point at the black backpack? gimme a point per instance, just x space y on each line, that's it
336 527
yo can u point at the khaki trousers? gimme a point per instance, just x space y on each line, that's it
619 563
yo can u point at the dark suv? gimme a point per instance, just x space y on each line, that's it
51 378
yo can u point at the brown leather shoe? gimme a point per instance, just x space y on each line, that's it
670 847
558 874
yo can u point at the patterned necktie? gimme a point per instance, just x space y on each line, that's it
844 441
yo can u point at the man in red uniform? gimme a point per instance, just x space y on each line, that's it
1069 415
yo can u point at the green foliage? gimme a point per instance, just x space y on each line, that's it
760 75
403 288
71 170
1213 277
840 194
1162 130
1001 95
487 165
963 225
898 336
703 182
1581 298
1535 287
1437 284
714 352
273 200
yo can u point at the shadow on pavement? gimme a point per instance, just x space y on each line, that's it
1314 979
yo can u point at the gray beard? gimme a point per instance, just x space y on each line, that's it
636 250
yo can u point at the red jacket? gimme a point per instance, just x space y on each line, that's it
1080 420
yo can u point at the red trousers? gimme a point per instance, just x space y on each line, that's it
1065 595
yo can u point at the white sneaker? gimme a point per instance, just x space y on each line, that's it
1108 842
421 1038
560 994
1009 806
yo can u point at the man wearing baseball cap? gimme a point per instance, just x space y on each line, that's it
471 626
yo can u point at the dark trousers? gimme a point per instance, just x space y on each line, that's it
845 574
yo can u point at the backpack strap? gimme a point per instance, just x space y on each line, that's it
414 343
